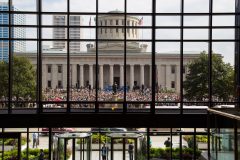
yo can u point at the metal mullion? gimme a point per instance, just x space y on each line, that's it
210 54
237 56
148 143
96 68
39 59
10 68
181 56
152 107
125 58
68 57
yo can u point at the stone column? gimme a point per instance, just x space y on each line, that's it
168 76
111 75
159 75
54 76
64 77
44 76
81 76
91 75
131 76
178 79
101 76
150 75
141 75
121 75
74 75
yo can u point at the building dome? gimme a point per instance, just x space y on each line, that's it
117 19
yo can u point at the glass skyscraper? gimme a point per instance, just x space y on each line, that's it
18 46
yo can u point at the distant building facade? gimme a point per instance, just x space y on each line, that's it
61 32
17 32
111 60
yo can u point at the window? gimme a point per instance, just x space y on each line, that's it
59 84
49 84
110 22
173 69
59 69
49 67
172 84
184 69
116 22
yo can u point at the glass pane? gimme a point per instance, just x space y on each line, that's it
167 20
54 6
83 6
196 6
223 5
24 5
195 73
163 6
167 71
139 6
196 20
223 86
111 6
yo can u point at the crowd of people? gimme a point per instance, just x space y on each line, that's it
90 95
86 94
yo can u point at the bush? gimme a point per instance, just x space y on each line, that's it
187 153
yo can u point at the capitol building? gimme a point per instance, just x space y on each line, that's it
111 60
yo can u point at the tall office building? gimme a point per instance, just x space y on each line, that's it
61 32
17 32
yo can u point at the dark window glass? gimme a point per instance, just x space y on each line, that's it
49 84
173 69
49 68
59 69
173 84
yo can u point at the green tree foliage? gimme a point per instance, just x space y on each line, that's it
23 76
196 83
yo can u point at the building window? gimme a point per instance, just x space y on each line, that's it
49 67
173 84
116 22
105 22
110 22
59 69
184 69
59 84
173 69
49 84
117 30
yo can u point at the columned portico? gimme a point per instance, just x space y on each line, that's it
44 76
74 75
81 79
121 75
168 76
142 74
131 76
91 75
101 76
64 77
111 75
54 75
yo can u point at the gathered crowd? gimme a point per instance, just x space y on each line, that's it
85 94
90 95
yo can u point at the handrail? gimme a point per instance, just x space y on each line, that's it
224 114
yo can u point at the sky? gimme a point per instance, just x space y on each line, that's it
145 6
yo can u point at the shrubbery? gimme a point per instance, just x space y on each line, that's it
187 153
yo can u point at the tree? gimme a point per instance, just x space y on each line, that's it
196 83
23 78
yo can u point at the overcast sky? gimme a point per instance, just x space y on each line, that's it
145 6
